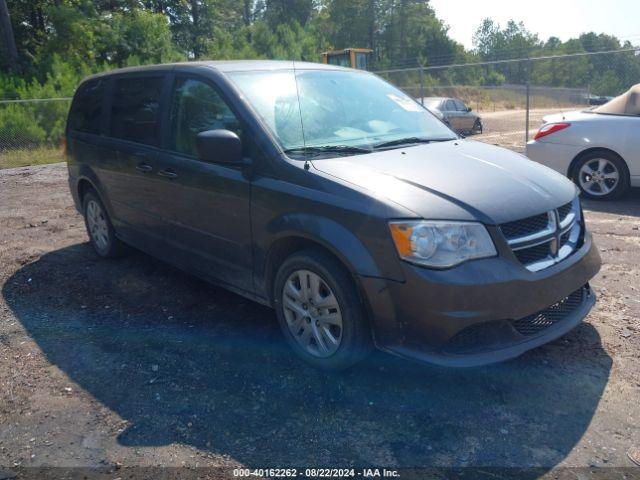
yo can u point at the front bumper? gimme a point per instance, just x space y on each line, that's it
424 317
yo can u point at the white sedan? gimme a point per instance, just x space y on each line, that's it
599 149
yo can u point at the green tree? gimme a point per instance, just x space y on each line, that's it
92 35
277 12
352 24
109 38
491 42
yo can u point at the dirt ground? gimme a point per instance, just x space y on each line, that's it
506 128
129 362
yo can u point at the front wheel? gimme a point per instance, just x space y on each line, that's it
602 176
320 312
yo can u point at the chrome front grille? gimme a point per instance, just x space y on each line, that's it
543 240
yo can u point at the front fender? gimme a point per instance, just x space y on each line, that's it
371 259
330 234
366 254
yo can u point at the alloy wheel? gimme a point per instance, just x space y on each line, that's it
312 313
599 177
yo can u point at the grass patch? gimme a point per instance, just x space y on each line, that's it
30 156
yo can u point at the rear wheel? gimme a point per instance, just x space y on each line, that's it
99 228
319 311
601 175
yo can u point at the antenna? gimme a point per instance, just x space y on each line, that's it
295 79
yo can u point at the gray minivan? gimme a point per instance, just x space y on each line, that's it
338 200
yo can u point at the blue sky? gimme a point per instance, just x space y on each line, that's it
561 18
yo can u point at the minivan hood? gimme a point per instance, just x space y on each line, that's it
456 180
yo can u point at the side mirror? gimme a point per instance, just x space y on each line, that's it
469 109
219 146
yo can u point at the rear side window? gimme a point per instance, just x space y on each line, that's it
86 112
135 109
196 107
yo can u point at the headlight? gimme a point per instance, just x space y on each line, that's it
441 244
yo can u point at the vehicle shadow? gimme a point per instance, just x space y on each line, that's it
629 205
190 363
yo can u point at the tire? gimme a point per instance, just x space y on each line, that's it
307 335
601 175
99 228
477 127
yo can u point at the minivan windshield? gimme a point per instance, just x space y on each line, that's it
333 112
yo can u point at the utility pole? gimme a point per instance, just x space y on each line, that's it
7 36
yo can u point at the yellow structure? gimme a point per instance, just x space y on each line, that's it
359 58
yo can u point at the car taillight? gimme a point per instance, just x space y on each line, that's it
550 128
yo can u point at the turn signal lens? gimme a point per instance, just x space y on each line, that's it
550 128
401 234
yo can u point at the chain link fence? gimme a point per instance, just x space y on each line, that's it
31 131
510 97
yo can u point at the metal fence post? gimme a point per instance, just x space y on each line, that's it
422 85
526 135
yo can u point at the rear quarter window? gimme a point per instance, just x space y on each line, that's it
136 108
86 110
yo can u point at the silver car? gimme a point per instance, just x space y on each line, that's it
456 114
598 149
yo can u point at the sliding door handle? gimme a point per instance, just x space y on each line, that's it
168 173
144 167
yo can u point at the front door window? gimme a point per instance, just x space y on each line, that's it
197 107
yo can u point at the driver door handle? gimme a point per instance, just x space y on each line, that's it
144 167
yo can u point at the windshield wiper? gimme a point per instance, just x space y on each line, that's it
322 149
409 141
